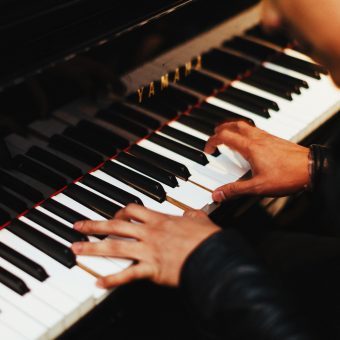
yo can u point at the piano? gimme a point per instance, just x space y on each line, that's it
106 103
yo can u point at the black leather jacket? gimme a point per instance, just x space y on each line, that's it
233 296
231 292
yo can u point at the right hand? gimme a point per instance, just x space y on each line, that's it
279 167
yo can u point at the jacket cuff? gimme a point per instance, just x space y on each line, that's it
321 165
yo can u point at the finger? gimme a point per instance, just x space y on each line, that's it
234 140
137 213
238 126
195 214
110 247
115 227
135 272
235 189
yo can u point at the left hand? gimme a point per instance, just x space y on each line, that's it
163 242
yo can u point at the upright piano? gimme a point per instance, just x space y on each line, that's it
105 103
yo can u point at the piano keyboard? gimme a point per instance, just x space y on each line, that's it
44 288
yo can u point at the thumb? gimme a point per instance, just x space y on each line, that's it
234 189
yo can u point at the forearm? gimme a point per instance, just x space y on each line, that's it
232 294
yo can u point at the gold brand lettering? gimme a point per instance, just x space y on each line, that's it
188 67
151 89
198 63
140 94
164 81
177 76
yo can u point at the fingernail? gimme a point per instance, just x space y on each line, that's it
77 247
100 283
78 225
219 196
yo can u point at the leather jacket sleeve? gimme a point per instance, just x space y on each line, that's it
321 166
233 296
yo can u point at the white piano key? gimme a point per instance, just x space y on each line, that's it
277 128
239 163
123 263
71 203
219 163
99 265
186 193
59 276
30 303
98 193
200 174
45 291
21 322
98 293
148 202
9 333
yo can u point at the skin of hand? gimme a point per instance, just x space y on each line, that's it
278 167
160 247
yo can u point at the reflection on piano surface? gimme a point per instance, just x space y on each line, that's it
88 158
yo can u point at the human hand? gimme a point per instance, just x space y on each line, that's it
279 167
163 243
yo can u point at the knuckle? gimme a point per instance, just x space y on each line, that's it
231 189
130 208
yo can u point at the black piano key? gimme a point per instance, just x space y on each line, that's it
13 282
166 101
39 172
202 83
4 217
47 245
161 108
190 153
188 139
96 203
110 190
250 48
176 168
55 226
148 169
62 211
207 116
198 124
252 98
247 105
285 89
226 64
127 125
92 129
267 86
141 183
183 98
262 52
54 161
283 78
11 201
277 38
301 66
134 115
225 115
96 143
75 150
24 263
21 188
